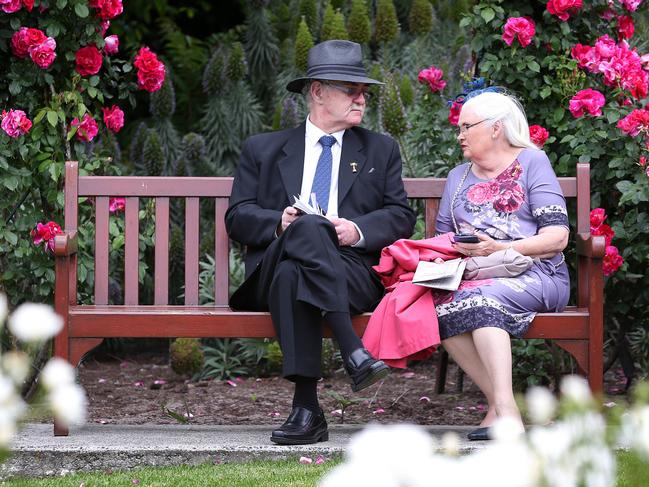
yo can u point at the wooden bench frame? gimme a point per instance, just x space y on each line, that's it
578 329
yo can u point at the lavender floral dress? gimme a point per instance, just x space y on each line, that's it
524 198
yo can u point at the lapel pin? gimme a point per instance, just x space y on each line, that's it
354 166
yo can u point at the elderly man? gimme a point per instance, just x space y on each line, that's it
311 269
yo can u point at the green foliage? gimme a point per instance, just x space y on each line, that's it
393 116
339 31
186 356
236 70
387 24
308 11
227 358
359 25
214 73
303 42
163 102
153 159
327 23
406 91
420 19
192 161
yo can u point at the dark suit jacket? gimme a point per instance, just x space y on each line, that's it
270 173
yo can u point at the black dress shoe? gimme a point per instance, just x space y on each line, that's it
365 370
302 427
479 434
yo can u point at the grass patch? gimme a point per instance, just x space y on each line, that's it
631 470
252 474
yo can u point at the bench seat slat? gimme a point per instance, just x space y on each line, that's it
221 321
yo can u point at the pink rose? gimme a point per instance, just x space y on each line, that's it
150 71
603 230
454 112
586 56
88 61
24 39
113 118
642 162
116 205
15 123
538 135
103 26
111 45
589 100
44 54
510 198
44 233
631 5
109 9
612 260
625 27
433 77
561 8
86 129
597 217
635 122
29 4
10 6
482 193
521 27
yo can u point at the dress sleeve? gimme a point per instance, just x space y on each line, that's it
546 198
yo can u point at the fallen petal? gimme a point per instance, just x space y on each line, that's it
232 383
188 415
274 414
101 381
135 481
320 460
336 412
459 408
424 399
160 382
610 404
306 460
378 411
138 383
408 375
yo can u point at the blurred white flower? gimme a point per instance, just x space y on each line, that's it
3 308
502 464
34 322
451 443
634 430
396 445
575 388
69 404
7 427
541 404
57 373
348 474
16 365
506 429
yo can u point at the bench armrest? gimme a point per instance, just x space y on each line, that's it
65 244
593 246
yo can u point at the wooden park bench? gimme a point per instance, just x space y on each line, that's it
578 329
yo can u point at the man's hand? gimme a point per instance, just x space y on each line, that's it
346 231
289 215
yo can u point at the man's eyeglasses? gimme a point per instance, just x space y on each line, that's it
350 90
464 128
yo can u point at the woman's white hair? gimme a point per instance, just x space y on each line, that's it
498 107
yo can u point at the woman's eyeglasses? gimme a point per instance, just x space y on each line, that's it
464 128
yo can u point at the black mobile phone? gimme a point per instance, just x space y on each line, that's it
465 238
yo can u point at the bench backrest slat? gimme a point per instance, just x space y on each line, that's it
191 249
131 250
101 249
161 268
221 253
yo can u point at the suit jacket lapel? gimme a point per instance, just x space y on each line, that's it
352 161
291 166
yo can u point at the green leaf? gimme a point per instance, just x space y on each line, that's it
94 80
545 92
534 66
612 116
39 116
487 14
52 118
11 237
81 10
61 4
127 68
11 182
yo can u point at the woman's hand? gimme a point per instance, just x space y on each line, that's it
486 246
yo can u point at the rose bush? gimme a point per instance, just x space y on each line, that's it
63 90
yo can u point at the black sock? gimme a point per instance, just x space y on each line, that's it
306 393
341 327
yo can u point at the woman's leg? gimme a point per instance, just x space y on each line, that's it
494 349
463 351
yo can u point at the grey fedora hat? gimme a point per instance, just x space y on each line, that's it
334 60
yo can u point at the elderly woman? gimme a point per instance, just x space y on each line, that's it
508 195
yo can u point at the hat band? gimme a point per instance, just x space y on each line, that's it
332 69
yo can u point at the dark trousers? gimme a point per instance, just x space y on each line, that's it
303 275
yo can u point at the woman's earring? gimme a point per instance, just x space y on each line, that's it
493 136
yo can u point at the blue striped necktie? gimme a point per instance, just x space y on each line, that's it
322 179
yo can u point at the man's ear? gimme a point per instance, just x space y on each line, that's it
316 91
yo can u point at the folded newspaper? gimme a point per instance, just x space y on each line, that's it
309 208
446 275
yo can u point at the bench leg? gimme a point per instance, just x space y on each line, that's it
442 368
72 351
